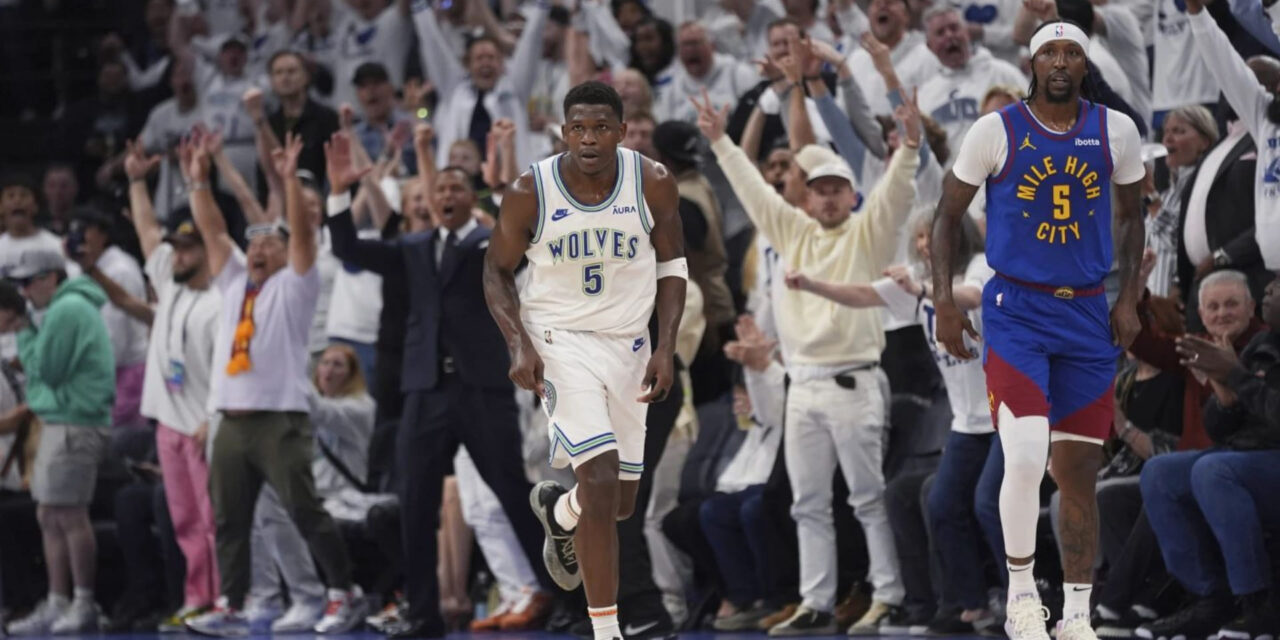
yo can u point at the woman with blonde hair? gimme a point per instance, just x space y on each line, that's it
1189 133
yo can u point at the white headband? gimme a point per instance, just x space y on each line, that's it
1059 31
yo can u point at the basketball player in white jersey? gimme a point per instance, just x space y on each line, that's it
601 230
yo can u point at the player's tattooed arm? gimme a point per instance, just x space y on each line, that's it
950 324
1130 225
667 236
516 222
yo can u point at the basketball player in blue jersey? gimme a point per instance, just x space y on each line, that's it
1057 167
600 228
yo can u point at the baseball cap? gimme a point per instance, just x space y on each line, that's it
812 156
370 72
183 229
235 39
677 140
836 169
34 262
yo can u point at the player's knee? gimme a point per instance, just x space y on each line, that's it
598 487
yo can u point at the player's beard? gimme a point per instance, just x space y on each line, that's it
183 277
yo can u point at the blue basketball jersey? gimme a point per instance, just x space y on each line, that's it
1049 208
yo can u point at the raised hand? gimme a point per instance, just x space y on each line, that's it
252 101
195 158
801 53
1044 10
901 275
285 158
346 117
422 136
878 51
908 115
823 51
339 163
711 121
137 164
399 134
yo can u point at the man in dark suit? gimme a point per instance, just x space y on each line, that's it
1228 223
455 383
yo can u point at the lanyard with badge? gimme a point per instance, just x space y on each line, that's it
176 372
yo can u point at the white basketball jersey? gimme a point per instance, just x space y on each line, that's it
591 268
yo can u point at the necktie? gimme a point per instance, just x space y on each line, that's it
480 123
450 252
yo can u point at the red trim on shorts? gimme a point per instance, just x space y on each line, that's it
1094 420
1008 386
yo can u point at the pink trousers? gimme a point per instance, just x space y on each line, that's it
186 489
127 410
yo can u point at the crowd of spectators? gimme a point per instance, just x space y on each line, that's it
250 381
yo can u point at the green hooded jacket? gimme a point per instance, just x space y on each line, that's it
70 368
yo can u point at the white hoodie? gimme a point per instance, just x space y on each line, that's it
953 97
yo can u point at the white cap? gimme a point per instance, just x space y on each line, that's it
1059 31
836 169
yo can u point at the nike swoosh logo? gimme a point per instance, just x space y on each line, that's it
633 631
560 214
1082 589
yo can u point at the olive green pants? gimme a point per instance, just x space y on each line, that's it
277 447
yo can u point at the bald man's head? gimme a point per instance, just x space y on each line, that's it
1267 70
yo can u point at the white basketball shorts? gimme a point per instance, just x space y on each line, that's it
590 385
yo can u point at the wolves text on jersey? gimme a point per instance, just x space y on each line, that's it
593 244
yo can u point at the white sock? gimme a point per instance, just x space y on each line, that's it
567 510
1022 579
83 597
1076 599
58 600
604 622
1025 442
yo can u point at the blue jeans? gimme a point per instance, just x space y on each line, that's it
734 525
1208 510
953 520
986 501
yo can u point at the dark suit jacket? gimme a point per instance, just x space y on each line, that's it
447 311
1229 223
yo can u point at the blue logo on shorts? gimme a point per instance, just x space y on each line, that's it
635 346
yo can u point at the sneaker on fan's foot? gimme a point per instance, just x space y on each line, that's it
40 620
346 611
221 622
805 622
1204 618
301 617
177 623
1257 620
80 617
1025 618
558 552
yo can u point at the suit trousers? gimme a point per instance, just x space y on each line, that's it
434 424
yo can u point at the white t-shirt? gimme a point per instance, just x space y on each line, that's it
128 334
965 380
385 39
953 97
278 350
183 333
328 265
223 110
983 152
165 127
355 306
1181 75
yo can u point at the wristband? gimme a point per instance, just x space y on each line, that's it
197 186
678 268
